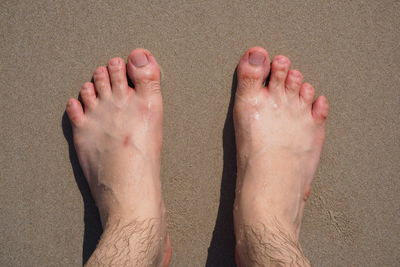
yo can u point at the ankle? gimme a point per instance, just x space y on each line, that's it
117 217
140 241
127 210
268 243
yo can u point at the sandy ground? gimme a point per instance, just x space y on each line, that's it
348 49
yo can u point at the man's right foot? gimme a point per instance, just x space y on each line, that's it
280 132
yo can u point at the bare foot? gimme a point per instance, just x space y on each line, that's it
280 132
118 138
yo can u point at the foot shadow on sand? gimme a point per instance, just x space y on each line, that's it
93 228
222 247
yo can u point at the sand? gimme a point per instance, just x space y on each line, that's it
347 49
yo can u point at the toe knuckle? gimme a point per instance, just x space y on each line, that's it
154 87
248 82
253 75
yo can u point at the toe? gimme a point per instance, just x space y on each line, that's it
320 109
293 82
88 95
279 71
144 72
74 111
252 70
307 93
102 82
117 71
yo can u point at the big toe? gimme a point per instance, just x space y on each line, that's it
144 72
252 71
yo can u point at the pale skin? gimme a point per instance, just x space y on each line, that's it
118 138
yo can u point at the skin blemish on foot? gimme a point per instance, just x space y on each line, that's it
307 194
127 141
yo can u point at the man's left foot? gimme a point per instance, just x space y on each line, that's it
118 137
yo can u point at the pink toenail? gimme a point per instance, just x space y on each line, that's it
282 60
114 61
295 74
256 58
139 59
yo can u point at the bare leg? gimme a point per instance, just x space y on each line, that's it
118 139
280 131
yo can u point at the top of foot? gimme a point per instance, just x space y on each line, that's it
118 133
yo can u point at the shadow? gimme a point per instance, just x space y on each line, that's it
93 228
222 247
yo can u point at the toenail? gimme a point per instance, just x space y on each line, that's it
114 61
139 59
282 60
99 70
295 74
256 58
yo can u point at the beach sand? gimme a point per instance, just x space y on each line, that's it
348 49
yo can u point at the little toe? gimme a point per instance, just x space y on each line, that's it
117 71
88 95
279 71
293 82
307 93
102 82
144 72
320 109
74 111
252 70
